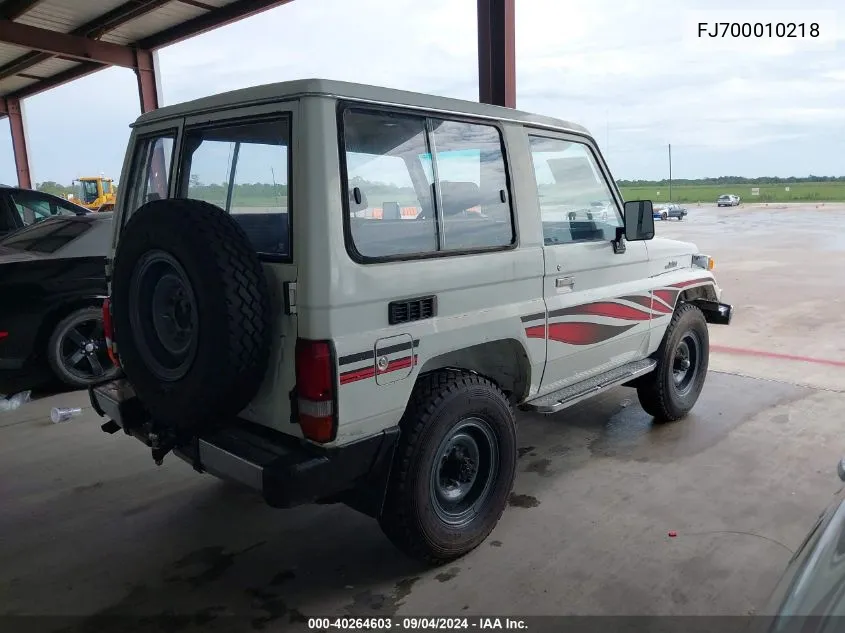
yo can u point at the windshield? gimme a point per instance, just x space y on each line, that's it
86 191
47 236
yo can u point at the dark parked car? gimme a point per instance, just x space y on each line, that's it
810 597
52 284
22 207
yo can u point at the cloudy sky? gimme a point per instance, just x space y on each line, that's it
638 79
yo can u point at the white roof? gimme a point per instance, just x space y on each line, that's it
360 92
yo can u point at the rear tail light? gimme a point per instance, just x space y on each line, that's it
111 346
315 390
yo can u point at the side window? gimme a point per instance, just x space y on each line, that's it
106 187
243 169
472 184
576 203
389 212
31 208
396 205
151 168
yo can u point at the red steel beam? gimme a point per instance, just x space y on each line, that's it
18 129
209 21
92 29
66 45
145 71
63 77
496 53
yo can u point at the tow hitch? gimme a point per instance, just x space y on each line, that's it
161 443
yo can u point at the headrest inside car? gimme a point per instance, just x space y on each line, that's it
459 196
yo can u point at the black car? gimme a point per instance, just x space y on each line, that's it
23 207
52 285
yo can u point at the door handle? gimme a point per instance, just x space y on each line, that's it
564 282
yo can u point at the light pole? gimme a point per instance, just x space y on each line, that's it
670 172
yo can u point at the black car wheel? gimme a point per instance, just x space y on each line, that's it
453 469
671 391
77 349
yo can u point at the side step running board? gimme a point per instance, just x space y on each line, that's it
566 397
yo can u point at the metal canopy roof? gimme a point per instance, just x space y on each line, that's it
45 43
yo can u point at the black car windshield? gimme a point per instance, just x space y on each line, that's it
47 236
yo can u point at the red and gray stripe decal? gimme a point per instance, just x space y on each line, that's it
628 310
361 365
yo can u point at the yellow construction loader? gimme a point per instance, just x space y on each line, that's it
95 193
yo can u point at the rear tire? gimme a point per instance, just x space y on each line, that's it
664 216
454 467
76 351
673 388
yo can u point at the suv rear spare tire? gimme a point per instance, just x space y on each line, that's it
191 310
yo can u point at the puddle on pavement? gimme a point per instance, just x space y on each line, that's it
726 402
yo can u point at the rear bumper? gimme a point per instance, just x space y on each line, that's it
285 470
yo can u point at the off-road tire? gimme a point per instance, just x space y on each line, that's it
233 311
657 392
439 403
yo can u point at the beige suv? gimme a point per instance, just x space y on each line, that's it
331 292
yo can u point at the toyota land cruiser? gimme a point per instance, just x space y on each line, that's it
332 292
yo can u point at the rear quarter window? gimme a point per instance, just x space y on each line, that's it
418 186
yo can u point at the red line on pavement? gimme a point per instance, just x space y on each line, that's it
763 354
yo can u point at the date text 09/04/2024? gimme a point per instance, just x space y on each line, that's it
416 624
759 29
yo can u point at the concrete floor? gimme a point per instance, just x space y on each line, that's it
91 529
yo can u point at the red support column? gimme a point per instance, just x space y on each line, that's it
149 86
496 53
18 128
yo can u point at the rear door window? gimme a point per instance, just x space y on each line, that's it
244 168
151 169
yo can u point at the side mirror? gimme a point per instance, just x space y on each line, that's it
639 220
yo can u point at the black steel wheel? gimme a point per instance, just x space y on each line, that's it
453 468
463 472
77 351
673 388
163 314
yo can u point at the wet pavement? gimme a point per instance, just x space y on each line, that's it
94 532
781 267
91 531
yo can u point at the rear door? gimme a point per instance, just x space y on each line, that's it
597 300
240 161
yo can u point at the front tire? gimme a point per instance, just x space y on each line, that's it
671 391
454 467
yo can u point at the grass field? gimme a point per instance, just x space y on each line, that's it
690 194
798 192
